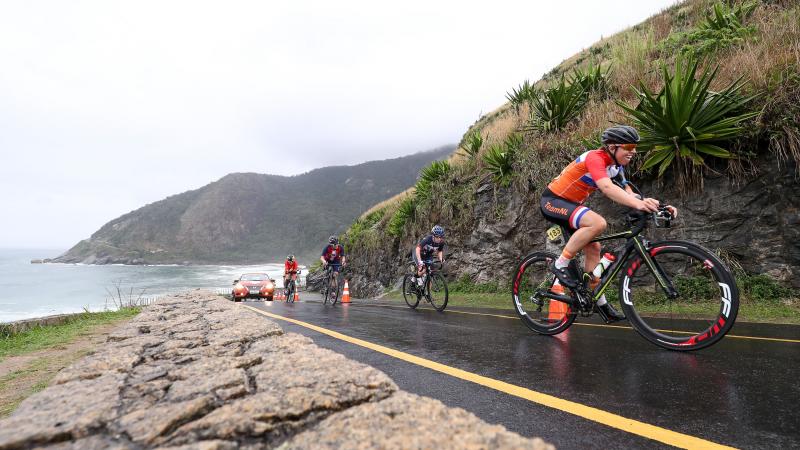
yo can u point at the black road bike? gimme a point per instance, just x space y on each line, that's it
291 287
333 285
676 294
433 287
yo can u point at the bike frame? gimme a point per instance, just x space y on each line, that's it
635 243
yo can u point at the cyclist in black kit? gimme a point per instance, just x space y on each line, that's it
424 251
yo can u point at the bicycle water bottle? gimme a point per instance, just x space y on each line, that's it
605 261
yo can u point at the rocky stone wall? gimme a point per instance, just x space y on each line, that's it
196 371
753 223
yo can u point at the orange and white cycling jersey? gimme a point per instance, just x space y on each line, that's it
579 179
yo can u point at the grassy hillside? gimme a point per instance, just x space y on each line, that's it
713 87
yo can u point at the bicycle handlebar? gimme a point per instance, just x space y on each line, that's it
661 218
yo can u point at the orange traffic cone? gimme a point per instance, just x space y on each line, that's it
346 293
296 294
280 295
557 310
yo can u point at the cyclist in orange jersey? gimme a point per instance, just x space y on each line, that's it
562 203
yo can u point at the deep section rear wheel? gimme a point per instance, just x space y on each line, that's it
328 290
410 293
531 280
436 291
707 302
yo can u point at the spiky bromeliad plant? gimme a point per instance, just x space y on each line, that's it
556 107
521 95
722 27
686 122
472 145
428 175
499 159
405 212
593 79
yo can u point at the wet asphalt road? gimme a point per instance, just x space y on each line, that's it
741 392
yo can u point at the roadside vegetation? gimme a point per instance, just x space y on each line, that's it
713 86
30 359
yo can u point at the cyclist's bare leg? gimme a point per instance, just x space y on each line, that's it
591 256
591 226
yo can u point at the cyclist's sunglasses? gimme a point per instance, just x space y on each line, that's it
627 147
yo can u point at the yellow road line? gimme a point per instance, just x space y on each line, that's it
734 336
648 431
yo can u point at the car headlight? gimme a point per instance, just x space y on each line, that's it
239 287
268 287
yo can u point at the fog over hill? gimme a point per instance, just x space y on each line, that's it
250 217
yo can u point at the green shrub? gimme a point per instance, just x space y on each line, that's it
556 107
521 95
405 213
472 145
763 288
513 142
592 142
499 163
499 159
725 18
363 231
593 80
438 170
465 285
723 27
685 121
695 289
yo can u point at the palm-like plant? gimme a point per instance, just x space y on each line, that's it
513 142
686 121
726 18
428 175
591 142
405 212
499 163
472 145
556 107
722 27
593 79
522 94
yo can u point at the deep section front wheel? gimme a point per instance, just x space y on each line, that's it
335 290
532 281
327 290
410 293
704 304
436 291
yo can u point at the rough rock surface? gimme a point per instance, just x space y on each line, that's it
195 371
755 223
401 421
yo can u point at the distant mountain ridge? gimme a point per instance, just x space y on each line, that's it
249 217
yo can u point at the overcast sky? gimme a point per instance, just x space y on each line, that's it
106 106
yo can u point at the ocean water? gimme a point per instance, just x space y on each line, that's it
35 290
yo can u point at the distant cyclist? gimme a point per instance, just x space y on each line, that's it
426 248
333 255
289 270
562 203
